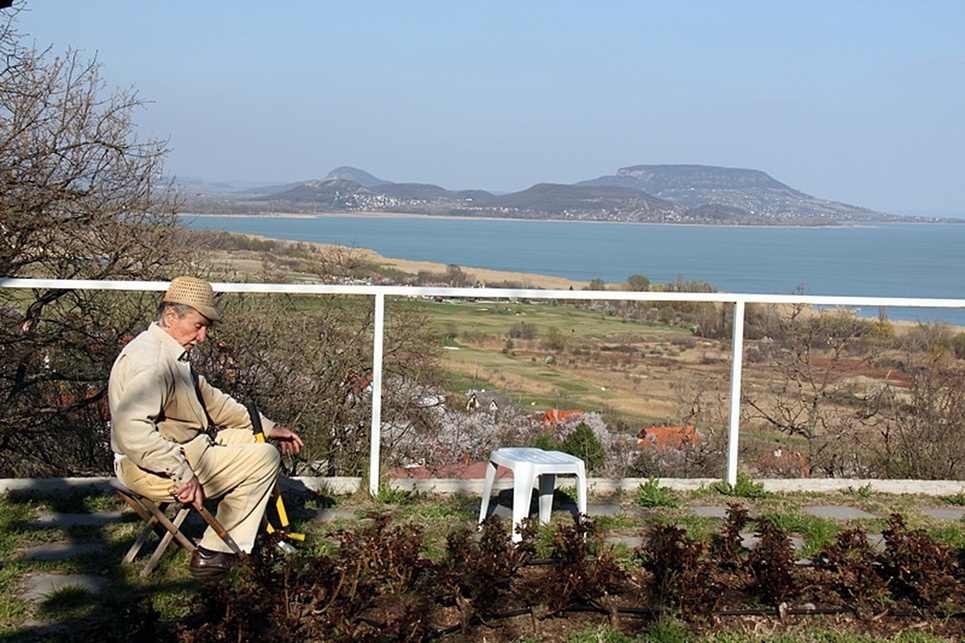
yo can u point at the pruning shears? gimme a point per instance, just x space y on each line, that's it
283 524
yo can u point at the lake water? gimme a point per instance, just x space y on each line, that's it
888 260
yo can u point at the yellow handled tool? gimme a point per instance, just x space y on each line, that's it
276 492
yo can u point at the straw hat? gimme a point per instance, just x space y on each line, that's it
193 292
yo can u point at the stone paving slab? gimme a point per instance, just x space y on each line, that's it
504 512
839 512
630 541
952 513
329 515
609 510
38 588
709 512
749 540
877 541
62 551
573 510
64 520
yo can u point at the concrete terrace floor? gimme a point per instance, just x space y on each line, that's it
36 587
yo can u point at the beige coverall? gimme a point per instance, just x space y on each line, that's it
158 436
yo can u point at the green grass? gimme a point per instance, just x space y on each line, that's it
485 366
461 324
817 533
497 318
813 635
952 534
66 600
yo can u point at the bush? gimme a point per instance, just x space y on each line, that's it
555 339
744 488
545 441
651 494
958 345
522 330
584 444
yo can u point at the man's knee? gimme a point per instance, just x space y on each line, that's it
268 455
229 437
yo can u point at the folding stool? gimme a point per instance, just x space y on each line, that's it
154 514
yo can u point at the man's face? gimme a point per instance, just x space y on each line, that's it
188 330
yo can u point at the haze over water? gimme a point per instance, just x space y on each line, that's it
886 260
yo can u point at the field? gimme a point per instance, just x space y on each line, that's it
550 356
554 356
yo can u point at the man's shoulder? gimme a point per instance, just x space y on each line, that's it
143 340
144 350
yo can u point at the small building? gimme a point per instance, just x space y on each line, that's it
658 438
554 416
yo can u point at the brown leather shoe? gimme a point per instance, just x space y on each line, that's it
208 564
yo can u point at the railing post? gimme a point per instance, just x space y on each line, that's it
736 364
376 439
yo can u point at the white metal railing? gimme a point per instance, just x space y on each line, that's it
379 293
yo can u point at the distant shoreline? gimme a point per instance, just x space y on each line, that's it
413 267
451 217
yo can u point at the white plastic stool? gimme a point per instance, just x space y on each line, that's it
528 465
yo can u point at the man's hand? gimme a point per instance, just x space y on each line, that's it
288 442
190 493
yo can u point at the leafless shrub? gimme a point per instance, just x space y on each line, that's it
811 396
918 436
82 198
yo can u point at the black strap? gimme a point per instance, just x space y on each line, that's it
256 426
212 429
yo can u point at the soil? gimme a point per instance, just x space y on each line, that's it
560 628
514 624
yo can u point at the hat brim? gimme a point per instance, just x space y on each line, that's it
210 313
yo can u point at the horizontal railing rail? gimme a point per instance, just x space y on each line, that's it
379 293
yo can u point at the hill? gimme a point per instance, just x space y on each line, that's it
733 191
694 194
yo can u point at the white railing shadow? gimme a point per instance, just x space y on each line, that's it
379 293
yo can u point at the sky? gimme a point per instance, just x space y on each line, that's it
859 101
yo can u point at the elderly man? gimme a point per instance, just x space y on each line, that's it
161 411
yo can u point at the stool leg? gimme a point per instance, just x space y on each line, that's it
487 491
581 491
522 496
150 523
173 530
547 483
136 506
154 515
